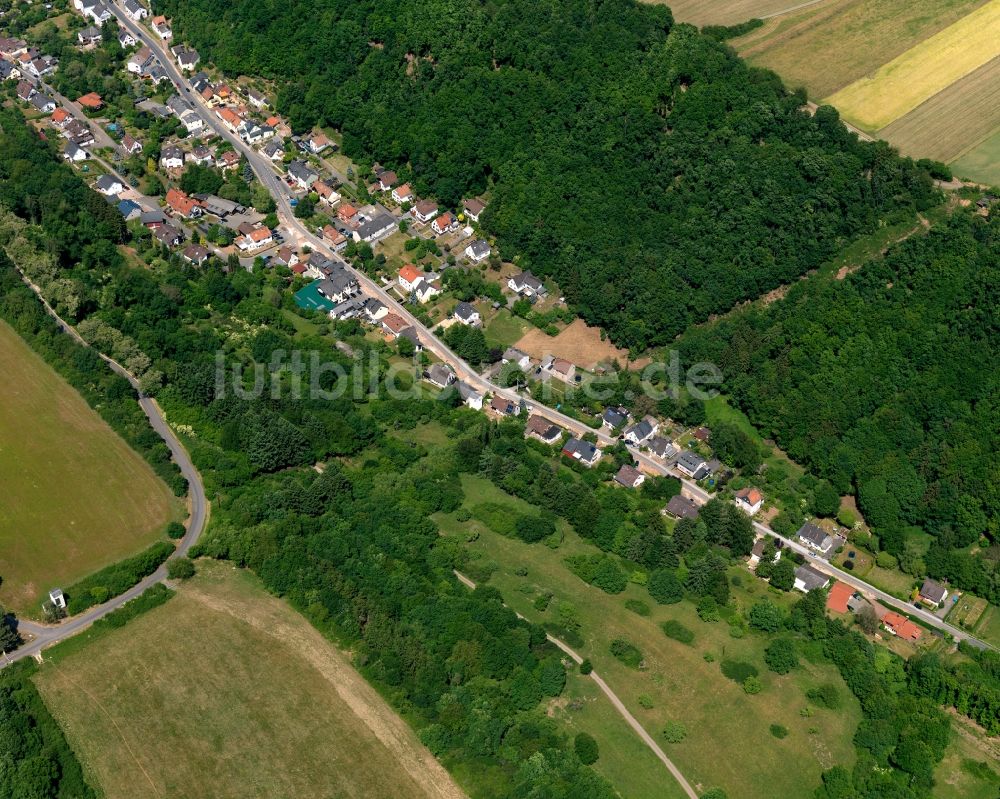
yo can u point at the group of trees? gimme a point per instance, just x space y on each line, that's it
649 170
885 384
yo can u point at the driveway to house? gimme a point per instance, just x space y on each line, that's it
45 635
270 178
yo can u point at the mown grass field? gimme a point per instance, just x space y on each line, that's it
678 684
829 45
971 765
981 162
900 85
76 497
954 120
723 12
225 691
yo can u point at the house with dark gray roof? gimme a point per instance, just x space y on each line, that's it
662 448
583 451
815 538
629 476
302 173
933 593
541 428
809 579
681 507
376 228
440 375
613 418
466 313
692 464
641 432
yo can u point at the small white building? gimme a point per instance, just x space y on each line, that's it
57 598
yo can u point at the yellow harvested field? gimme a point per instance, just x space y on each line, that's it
922 71
953 121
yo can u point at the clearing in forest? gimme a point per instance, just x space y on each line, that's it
226 691
76 497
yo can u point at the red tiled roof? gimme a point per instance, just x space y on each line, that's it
902 626
409 273
838 596
91 100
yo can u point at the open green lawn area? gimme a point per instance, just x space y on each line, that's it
76 497
981 163
971 766
505 328
225 691
727 729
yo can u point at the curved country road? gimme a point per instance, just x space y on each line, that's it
615 701
47 634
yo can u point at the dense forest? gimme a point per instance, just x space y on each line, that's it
886 384
643 165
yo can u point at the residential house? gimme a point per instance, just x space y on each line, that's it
347 213
815 538
702 434
109 185
629 476
326 192
187 57
26 90
933 593
690 463
125 39
380 226
285 256
339 286
473 208
542 429
403 194
40 66
60 117
472 398
809 579
409 278
758 552
337 239
900 626
135 9
8 71
583 451
749 500
230 159
12 48
303 174
43 103
526 285
478 251
425 210
387 179
518 358
57 598
375 310
200 82
466 313
440 375
662 448
317 143
256 239
839 598
168 235
74 154
274 149
152 220
192 121
394 324
161 27
410 334
257 100
640 432
140 61
229 119
195 254
98 12
81 135
443 223
202 156
89 36
427 290
131 145
614 418
183 205
681 507
171 157
252 133
92 101
559 367
502 406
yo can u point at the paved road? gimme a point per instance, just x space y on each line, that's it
45 635
266 172
616 702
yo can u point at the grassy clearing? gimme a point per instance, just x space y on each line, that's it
968 762
988 626
953 120
677 683
899 86
76 496
505 328
832 44
722 12
981 163
225 691
892 581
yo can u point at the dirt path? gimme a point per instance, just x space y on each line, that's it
370 708
616 703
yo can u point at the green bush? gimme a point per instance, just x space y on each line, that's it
496 516
176 530
738 670
586 748
825 695
753 685
541 603
180 569
674 629
674 732
626 652
638 607
780 656
665 587
778 731
586 666
115 579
